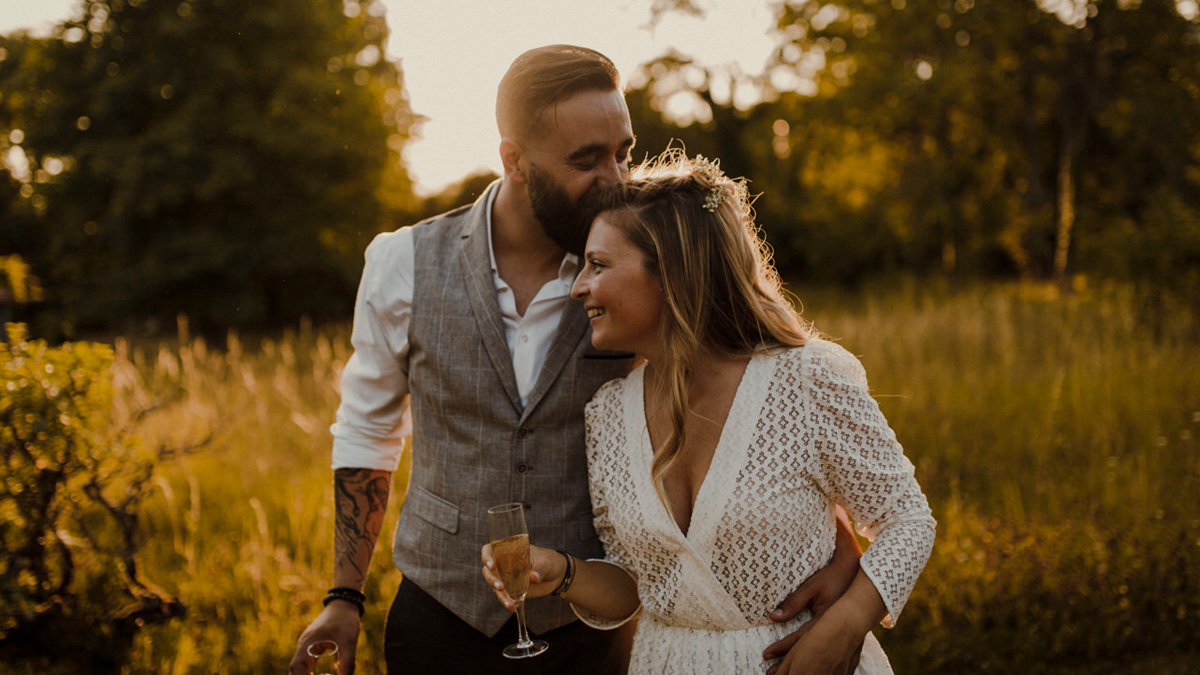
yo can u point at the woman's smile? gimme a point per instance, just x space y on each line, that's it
616 286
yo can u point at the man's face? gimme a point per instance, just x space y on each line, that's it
564 220
583 149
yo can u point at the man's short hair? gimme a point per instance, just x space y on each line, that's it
541 78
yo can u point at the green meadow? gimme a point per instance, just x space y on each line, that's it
1054 433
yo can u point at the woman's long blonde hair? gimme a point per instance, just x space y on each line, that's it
695 228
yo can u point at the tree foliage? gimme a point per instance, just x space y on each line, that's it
213 157
969 137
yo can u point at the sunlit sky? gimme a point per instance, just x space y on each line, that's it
453 55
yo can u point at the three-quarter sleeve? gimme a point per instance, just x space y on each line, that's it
863 467
369 432
615 552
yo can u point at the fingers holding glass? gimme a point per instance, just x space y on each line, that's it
511 566
323 657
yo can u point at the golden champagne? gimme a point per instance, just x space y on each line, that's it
513 563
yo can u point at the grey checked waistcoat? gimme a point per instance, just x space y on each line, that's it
473 446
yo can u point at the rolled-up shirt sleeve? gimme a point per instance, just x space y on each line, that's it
370 429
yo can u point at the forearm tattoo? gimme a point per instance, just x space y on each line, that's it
360 499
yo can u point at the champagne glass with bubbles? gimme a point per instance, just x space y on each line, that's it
510 550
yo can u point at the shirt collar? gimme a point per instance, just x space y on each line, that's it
566 271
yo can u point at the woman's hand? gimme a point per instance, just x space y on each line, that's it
549 566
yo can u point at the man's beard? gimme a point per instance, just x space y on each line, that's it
565 221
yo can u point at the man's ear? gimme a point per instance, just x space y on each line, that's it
510 156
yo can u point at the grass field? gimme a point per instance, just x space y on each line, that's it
1056 437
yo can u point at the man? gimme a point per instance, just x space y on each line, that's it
469 314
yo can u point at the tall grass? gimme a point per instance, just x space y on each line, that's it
1055 436
243 532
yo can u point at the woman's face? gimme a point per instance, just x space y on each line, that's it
623 299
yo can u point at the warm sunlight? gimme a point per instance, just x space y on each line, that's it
455 87
454 54
282 368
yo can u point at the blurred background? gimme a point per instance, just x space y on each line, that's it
995 203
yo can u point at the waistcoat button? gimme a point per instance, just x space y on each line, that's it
523 468
522 432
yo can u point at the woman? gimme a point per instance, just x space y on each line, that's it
716 465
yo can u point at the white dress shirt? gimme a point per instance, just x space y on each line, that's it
371 420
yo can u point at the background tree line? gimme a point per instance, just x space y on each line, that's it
231 160
972 138
224 159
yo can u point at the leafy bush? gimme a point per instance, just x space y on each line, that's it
69 502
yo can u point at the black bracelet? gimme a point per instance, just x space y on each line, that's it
568 576
350 595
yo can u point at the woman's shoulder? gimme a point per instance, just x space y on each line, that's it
610 393
819 360
814 350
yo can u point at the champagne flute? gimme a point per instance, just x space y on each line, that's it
510 550
324 656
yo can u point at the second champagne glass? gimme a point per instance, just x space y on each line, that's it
323 655
510 550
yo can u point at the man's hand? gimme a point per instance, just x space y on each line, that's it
823 650
820 590
817 593
360 502
832 643
339 622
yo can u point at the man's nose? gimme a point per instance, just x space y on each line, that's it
614 172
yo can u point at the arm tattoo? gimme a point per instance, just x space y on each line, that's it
360 500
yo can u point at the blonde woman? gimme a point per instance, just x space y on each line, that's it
716 466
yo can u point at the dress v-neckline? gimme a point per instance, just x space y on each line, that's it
715 485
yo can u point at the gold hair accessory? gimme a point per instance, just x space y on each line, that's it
714 198
711 170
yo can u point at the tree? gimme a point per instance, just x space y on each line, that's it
218 158
970 137
1000 109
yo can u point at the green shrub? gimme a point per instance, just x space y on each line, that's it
69 577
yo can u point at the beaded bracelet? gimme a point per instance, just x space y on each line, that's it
568 576
350 595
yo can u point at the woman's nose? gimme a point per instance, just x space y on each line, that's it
579 288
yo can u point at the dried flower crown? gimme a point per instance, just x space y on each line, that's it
711 169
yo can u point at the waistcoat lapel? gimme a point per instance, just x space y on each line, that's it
571 328
481 293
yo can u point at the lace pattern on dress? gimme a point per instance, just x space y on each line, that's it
803 434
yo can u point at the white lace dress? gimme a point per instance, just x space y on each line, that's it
802 435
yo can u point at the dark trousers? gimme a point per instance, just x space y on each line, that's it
424 637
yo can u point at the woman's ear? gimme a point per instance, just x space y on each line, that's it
510 156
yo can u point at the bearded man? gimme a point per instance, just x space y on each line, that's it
465 320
